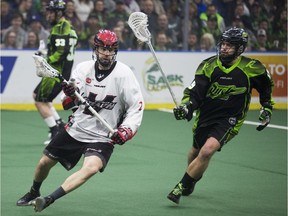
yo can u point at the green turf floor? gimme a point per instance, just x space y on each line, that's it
247 178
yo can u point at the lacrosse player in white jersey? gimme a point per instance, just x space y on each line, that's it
112 90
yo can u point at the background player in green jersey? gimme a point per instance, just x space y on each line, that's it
61 48
220 94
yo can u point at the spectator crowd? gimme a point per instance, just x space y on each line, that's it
23 22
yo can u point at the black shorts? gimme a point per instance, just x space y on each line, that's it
47 90
221 130
68 151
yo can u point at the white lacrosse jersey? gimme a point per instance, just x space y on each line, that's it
119 101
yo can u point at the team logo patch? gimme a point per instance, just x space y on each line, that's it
88 80
222 92
93 150
232 121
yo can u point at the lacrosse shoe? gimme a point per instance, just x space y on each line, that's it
53 131
27 198
176 193
188 191
41 203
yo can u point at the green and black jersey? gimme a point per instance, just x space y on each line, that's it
218 92
61 47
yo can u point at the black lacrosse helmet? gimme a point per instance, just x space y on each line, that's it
237 37
56 5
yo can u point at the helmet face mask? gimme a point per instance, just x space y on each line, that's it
105 47
236 37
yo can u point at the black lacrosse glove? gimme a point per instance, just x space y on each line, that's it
183 112
68 89
180 112
121 135
264 117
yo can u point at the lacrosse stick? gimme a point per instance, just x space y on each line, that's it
138 22
43 69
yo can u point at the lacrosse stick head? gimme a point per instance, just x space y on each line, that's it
138 22
43 69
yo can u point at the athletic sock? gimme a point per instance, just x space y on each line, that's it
59 192
50 121
55 114
36 186
187 181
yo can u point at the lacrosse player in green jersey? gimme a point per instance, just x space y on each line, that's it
220 94
61 48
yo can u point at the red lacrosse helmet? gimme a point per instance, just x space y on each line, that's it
106 38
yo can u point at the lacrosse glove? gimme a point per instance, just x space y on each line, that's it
68 89
183 112
264 117
121 135
70 103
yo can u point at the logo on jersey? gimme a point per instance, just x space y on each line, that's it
7 64
153 79
106 103
217 91
88 80
251 64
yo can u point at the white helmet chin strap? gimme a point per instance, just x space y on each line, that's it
94 57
